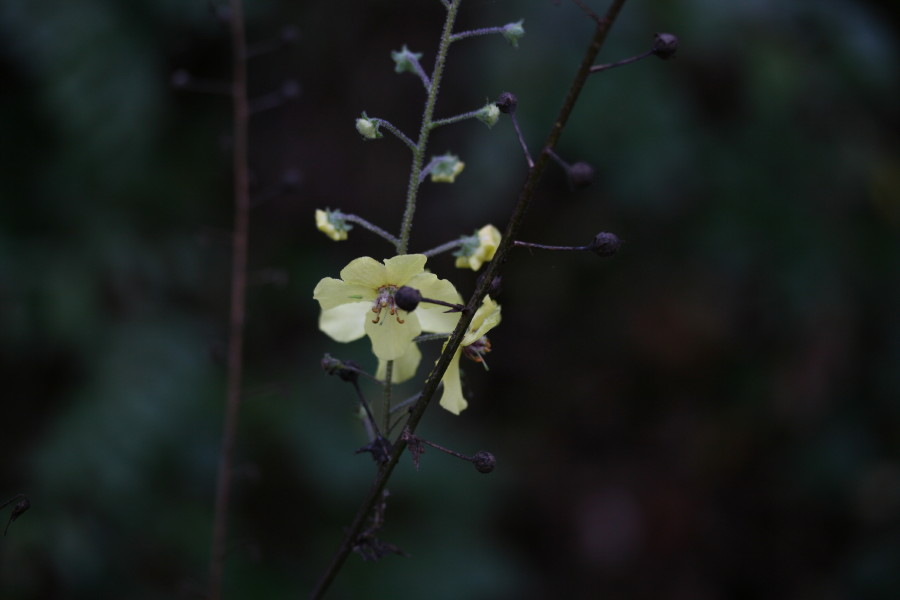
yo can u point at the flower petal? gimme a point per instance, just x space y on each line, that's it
486 318
332 292
433 318
390 338
432 287
400 269
345 323
452 399
365 271
404 367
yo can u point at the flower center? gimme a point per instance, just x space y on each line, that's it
385 300
477 349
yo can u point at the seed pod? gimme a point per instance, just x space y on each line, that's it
605 244
507 103
665 45
484 461
407 298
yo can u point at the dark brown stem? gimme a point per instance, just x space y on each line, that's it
434 378
238 294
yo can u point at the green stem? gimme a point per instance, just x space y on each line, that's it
456 119
386 406
452 245
427 124
370 226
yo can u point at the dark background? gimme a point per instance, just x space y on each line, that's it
712 413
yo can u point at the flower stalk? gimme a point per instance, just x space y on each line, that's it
453 343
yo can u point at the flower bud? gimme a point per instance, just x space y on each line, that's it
581 175
444 169
605 244
484 461
489 114
404 60
332 224
368 128
665 45
513 31
477 249
507 103
407 298
347 370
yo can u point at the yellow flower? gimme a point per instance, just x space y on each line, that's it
331 224
474 345
444 169
479 248
362 303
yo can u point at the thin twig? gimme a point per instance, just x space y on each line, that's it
434 378
399 134
238 296
371 227
452 245
484 31
522 143
621 63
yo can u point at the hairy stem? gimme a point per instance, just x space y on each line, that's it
238 295
419 152
434 378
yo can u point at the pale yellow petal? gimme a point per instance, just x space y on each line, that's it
332 292
390 338
434 320
404 367
366 272
486 318
452 398
438 289
400 269
345 323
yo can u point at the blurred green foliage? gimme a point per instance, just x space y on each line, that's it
712 413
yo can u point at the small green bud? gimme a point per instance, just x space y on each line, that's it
368 128
513 31
445 168
405 60
489 114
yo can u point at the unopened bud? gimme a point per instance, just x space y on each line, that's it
407 298
513 32
368 128
346 370
507 103
605 244
484 461
489 114
581 175
665 45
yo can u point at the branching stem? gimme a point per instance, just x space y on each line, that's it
481 290
371 227
412 189
399 134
